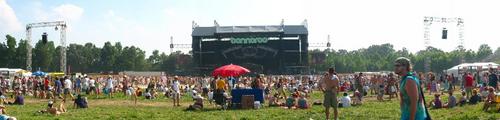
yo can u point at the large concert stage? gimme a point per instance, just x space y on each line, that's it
273 49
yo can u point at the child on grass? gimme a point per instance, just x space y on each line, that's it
489 102
291 102
274 101
303 103
357 98
198 104
463 99
436 103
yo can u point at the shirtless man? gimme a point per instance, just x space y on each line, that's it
330 88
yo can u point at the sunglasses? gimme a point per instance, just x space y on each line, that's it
398 65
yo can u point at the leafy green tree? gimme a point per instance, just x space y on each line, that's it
483 52
43 56
11 51
108 57
3 55
21 52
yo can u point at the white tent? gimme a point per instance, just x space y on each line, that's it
9 71
472 66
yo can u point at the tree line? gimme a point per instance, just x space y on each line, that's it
89 58
381 58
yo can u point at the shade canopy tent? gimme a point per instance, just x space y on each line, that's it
472 66
24 73
39 73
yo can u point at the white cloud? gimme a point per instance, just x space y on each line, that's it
68 12
8 20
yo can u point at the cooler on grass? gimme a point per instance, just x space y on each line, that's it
247 101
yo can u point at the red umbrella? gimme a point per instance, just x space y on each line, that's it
230 70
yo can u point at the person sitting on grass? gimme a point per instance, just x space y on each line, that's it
436 103
138 92
345 101
303 103
53 110
148 95
490 100
19 100
198 104
452 101
80 102
210 96
463 99
62 107
291 102
2 97
2 110
154 94
274 101
3 113
484 91
129 90
5 117
475 98
357 98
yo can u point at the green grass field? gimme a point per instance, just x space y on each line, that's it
120 107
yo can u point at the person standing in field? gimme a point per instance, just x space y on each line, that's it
92 88
176 91
58 87
359 83
67 88
98 87
109 86
493 79
392 86
411 101
469 84
330 88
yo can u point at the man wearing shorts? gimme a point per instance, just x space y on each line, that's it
67 87
176 91
469 84
330 89
92 88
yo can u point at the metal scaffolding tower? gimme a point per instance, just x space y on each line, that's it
429 21
58 25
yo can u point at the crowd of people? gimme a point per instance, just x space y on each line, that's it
286 91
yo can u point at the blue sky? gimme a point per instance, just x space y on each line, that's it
353 24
